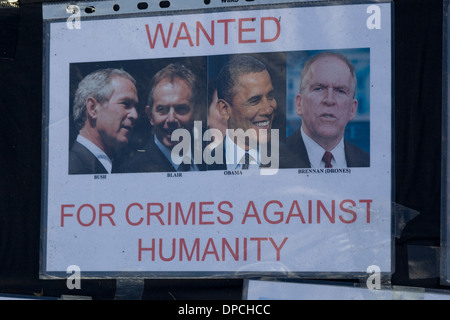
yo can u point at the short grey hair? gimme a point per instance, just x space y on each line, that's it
326 54
98 86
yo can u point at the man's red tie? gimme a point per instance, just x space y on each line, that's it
327 156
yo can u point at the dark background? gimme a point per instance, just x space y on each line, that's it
417 168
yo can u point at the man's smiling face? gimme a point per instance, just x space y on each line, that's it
253 105
172 109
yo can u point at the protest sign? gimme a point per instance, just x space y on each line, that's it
137 214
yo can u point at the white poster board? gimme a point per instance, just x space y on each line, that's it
225 222
272 290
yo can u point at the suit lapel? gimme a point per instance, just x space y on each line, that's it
218 166
157 158
89 162
296 151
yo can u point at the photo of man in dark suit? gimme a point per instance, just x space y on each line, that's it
104 111
172 104
246 101
326 103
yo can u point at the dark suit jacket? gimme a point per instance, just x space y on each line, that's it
149 159
218 166
298 157
223 165
82 161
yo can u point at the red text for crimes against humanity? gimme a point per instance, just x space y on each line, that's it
251 248
345 211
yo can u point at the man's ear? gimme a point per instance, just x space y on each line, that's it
148 112
91 107
354 109
298 104
224 109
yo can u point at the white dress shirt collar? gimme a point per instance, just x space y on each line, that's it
315 153
176 157
234 155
